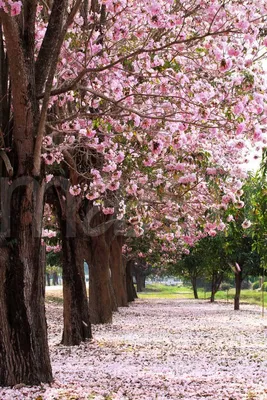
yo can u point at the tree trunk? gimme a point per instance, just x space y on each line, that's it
238 282
24 355
100 297
215 284
212 297
55 278
143 282
118 273
194 285
131 292
77 326
139 281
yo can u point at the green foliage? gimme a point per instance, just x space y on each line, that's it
256 285
225 286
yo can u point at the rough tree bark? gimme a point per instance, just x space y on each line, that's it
100 296
131 292
24 355
77 326
118 273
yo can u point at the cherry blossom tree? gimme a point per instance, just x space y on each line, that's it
161 96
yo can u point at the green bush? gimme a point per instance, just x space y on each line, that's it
225 286
256 285
264 287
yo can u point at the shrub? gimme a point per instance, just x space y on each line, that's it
225 286
256 285
264 287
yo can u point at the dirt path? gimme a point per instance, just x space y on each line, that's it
161 349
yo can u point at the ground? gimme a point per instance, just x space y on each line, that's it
160 349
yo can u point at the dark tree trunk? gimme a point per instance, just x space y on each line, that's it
24 355
139 281
215 284
77 326
131 292
194 285
48 279
101 303
143 282
55 278
238 282
118 273
212 297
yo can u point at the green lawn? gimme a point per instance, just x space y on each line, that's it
159 291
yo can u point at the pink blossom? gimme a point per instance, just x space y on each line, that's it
113 186
49 158
48 178
75 190
240 128
240 204
226 65
108 210
47 141
211 171
246 224
238 108
15 8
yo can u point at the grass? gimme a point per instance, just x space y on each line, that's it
159 291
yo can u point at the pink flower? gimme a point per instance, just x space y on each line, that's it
15 8
240 128
211 171
75 190
113 186
246 224
49 158
226 65
240 204
47 141
120 157
108 210
48 178
156 146
238 108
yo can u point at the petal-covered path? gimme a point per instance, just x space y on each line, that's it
161 349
